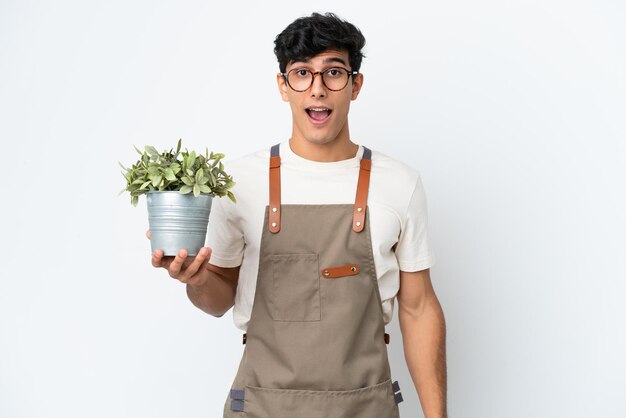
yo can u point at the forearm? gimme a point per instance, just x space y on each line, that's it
424 341
215 296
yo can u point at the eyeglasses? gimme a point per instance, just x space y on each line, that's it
335 78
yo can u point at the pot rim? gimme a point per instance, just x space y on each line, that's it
178 192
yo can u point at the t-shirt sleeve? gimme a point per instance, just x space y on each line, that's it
225 235
414 249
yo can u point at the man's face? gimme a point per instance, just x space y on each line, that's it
319 114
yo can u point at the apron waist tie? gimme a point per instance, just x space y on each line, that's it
386 336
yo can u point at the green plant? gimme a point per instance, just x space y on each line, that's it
184 171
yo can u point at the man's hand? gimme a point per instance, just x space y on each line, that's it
210 288
190 270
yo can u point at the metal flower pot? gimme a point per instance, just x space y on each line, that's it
178 221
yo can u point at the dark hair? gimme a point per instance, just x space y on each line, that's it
308 36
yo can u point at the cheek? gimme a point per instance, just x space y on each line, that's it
342 109
293 105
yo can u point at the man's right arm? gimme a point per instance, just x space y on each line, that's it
217 295
209 287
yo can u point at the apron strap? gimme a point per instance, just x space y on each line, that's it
274 217
362 189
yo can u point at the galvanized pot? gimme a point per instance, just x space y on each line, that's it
178 221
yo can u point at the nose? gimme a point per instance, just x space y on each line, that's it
318 89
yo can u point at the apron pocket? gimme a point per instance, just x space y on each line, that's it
371 402
296 287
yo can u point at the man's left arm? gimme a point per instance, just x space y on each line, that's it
423 330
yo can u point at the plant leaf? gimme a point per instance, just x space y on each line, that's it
205 189
199 175
185 189
188 181
196 190
231 196
169 174
156 180
152 151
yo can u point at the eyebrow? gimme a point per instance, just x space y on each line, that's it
329 60
334 59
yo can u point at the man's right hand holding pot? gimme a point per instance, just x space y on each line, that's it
210 288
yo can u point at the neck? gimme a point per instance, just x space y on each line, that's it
335 150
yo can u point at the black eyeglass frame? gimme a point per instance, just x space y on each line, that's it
313 74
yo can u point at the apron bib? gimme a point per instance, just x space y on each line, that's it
315 345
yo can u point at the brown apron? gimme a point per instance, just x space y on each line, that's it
315 345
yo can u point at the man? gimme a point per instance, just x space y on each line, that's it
311 270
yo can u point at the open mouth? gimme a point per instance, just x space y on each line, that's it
318 114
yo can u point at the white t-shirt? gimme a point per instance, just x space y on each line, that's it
396 204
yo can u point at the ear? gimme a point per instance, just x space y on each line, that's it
357 83
282 87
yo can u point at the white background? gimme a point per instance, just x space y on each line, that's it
513 111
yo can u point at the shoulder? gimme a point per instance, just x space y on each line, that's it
398 175
248 162
395 187
249 172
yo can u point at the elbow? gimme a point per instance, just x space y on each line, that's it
215 311
429 310
218 313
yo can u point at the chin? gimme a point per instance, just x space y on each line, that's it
321 137
320 141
